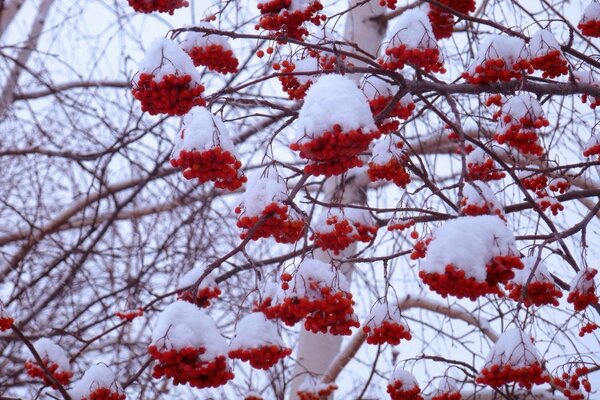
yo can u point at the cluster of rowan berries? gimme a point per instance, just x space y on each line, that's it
334 152
172 95
588 328
447 396
35 371
592 150
103 393
391 4
277 223
261 357
536 293
148 6
500 269
546 202
344 233
536 182
471 209
5 323
393 171
527 376
185 366
453 282
571 385
321 392
289 83
397 393
559 185
129 315
202 297
495 70
253 397
590 28
276 17
420 248
387 332
400 110
290 310
484 171
215 164
552 64
524 141
461 6
593 104
400 225
582 299
332 313
442 22
428 59
214 57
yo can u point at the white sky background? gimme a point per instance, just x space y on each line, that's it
90 43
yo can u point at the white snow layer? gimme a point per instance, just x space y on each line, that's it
262 189
478 193
408 380
165 57
333 99
201 39
384 312
48 350
513 348
469 243
97 376
311 270
579 283
541 273
412 29
591 13
508 48
254 330
542 42
386 149
190 277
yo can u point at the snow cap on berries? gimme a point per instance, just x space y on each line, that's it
541 273
254 330
478 193
469 243
508 48
201 39
263 188
333 100
165 57
96 377
513 348
190 277
590 13
374 86
386 149
202 131
48 350
384 312
182 324
314 270
401 375
412 29
542 42
581 283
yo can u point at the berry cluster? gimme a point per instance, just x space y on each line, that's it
570 385
290 311
334 152
590 28
521 135
172 95
276 17
536 182
559 185
397 393
536 293
471 209
215 58
148 6
500 269
442 22
420 249
546 202
484 171
400 225
592 150
203 296
5 323
498 375
447 396
213 165
388 332
581 299
290 83
253 397
588 328
593 104
400 110
428 59
393 171
344 233
185 366
103 393
320 392
129 315
496 70
453 282
332 313
277 223
35 371
552 64
262 357
391 4
461 6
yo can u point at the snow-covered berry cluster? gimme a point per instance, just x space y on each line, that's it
385 325
337 229
592 147
471 270
55 360
546 55
519 120
210 50
539 291
499 58
571 383
380 94
317 293
446 390
287 17
204 151
513 358
481 167
163 6
97 383
335 126
403 386
479 199
6 321
412 42
589 24
583 289
587 77
388 162
188 347
311 390
207 290
442 21
129 315
257 342
400 223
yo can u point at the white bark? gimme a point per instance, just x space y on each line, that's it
316 351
